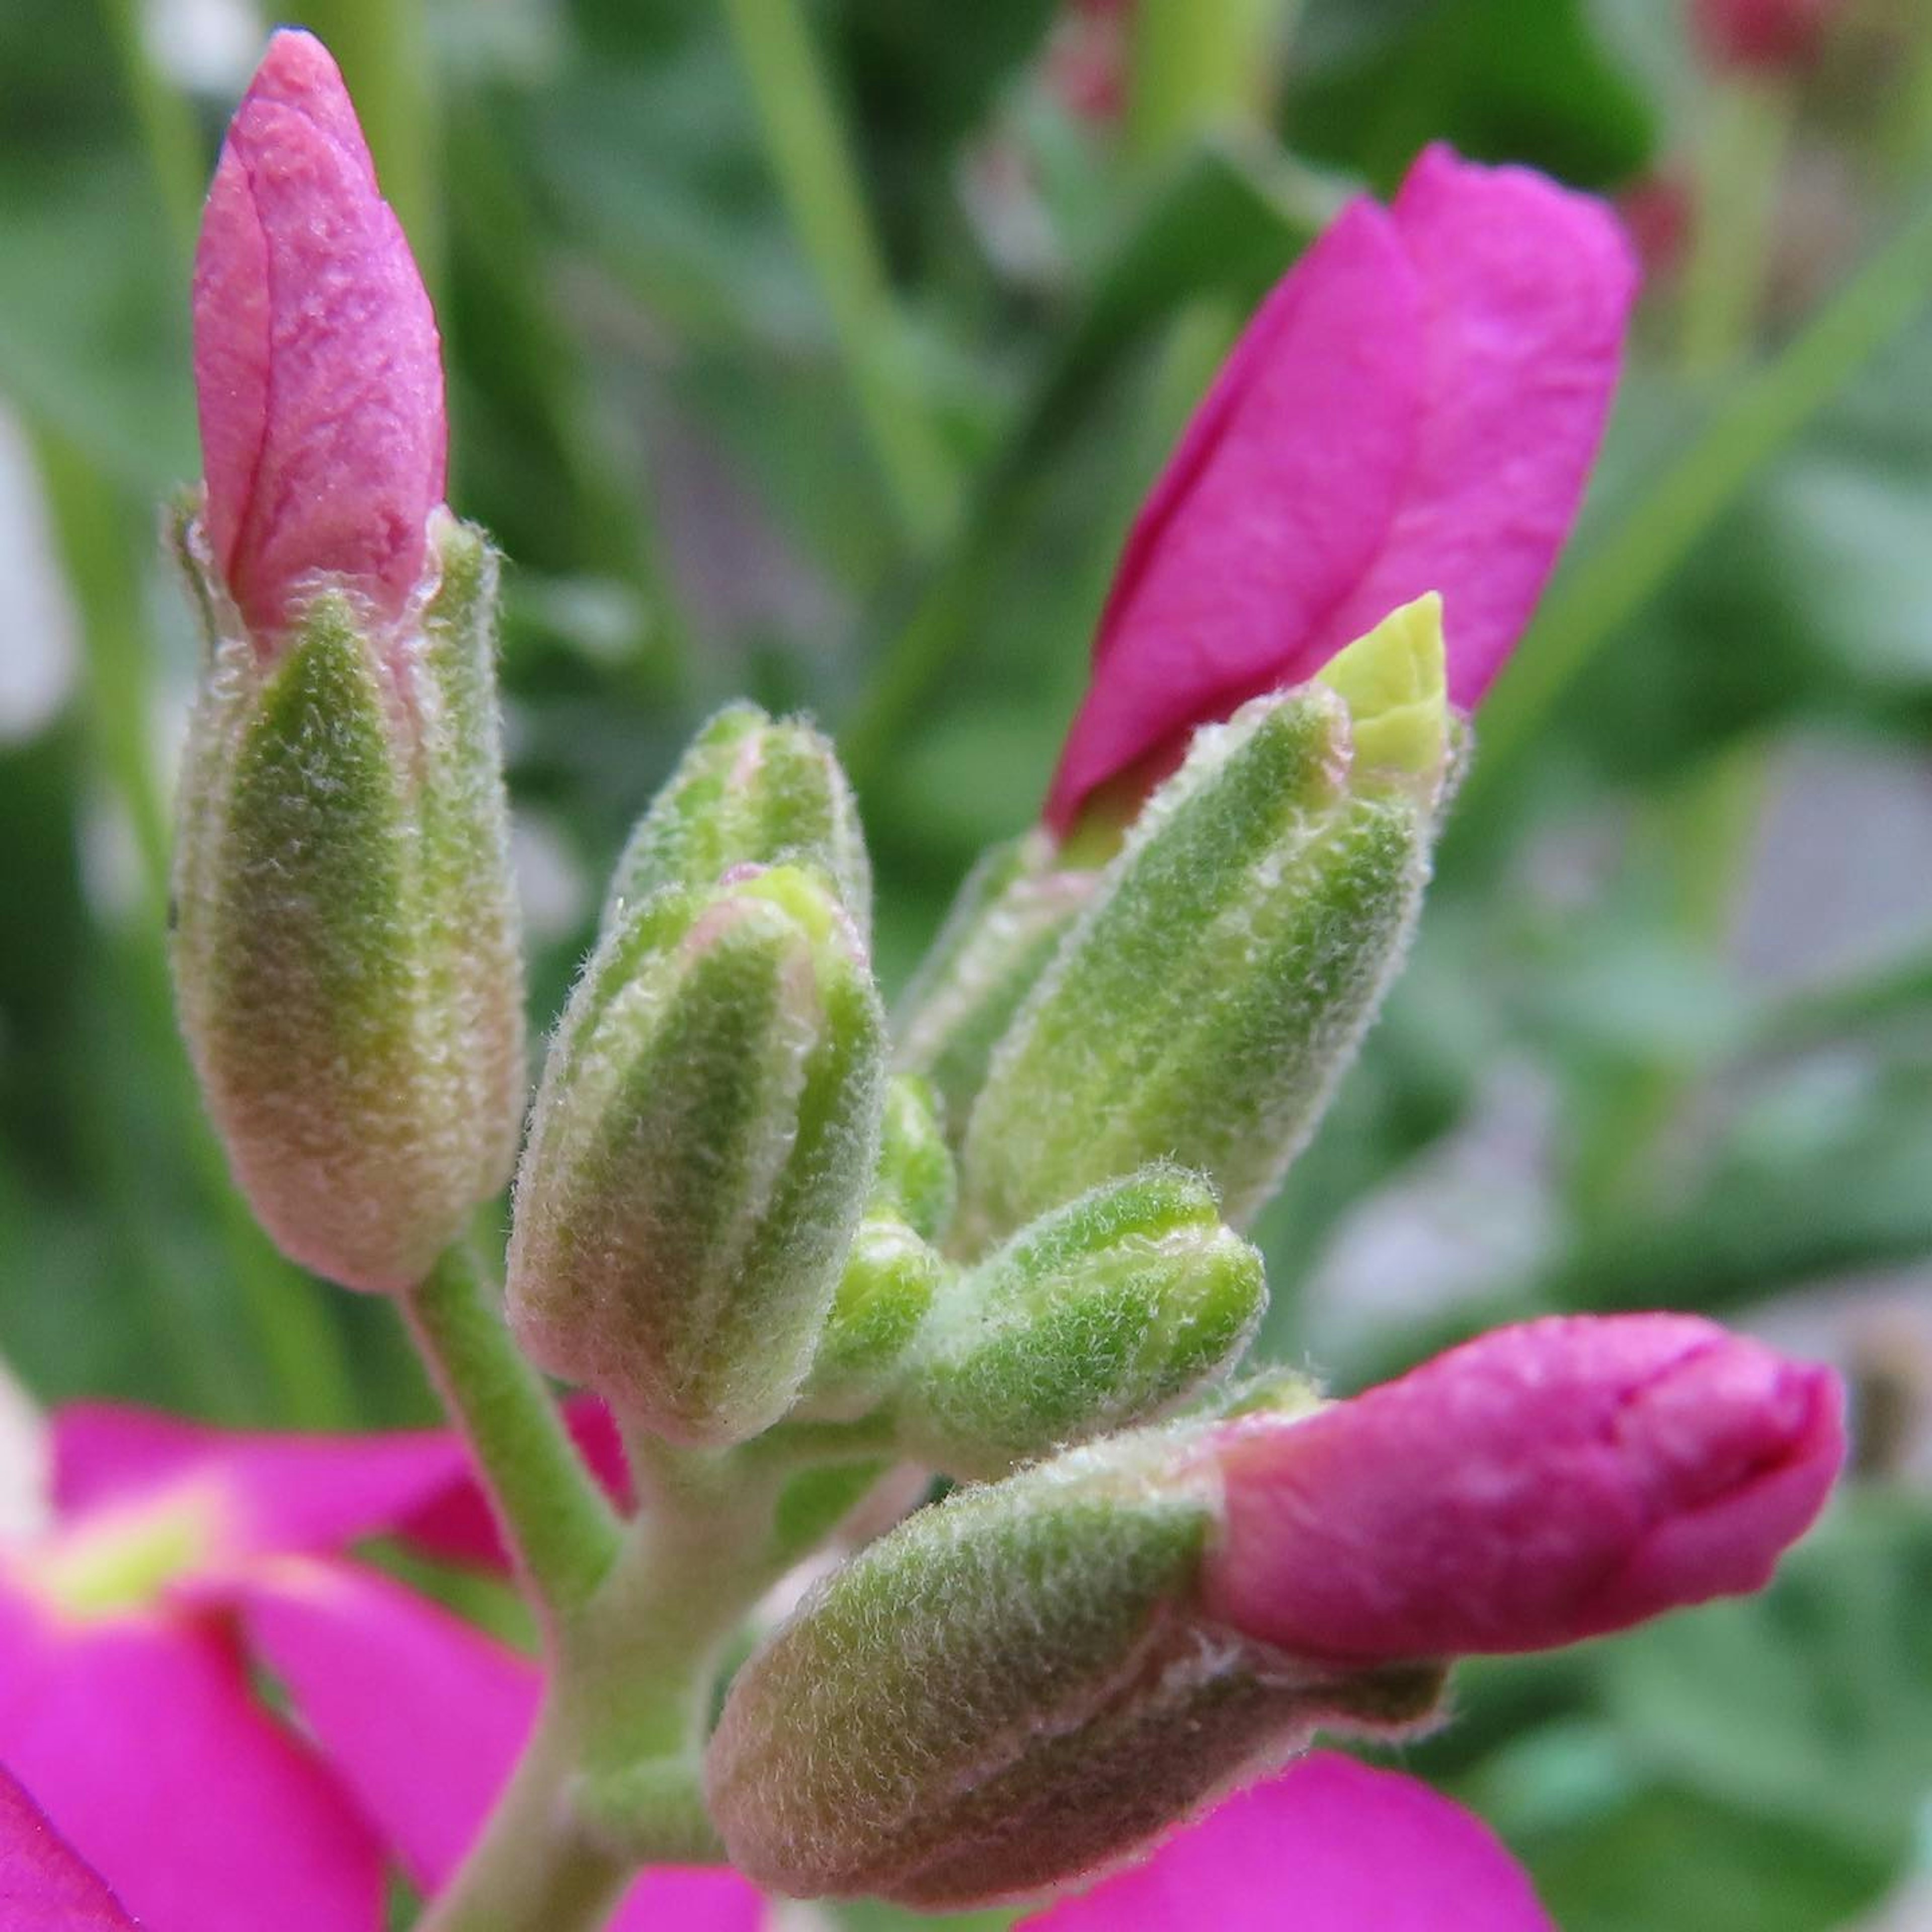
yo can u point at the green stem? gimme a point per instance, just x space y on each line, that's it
819 182
1200 65
1740 172
562 1534
1613 578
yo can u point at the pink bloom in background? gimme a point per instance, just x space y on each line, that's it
45 1884
316 357
1327 1846
1540 1485
181 1558
1766 37
1414 408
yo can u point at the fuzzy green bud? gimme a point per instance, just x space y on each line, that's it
916 1182
750 789
1011 914
1234 954
890 1278
1014 1688
1109 1311
345 948
701 1147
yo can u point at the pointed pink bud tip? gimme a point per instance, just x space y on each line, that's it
1766 37
317 365
1544 1484
1414 408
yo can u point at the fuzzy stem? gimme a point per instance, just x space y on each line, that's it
563 1534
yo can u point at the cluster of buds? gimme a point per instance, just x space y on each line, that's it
1001 1241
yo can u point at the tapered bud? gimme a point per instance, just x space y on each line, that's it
916 1180
707 1131
751 790
1031 1680
1232 956
317 373
346 949
1545 1483
1011 1689
1107 1312
889 1279
1000 936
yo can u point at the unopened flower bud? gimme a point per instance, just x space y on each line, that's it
1000 937
1011 1689
1764 37
1233 955
317 369
346 951
750 790
1028 1681
1544 1484
890 1278
1108 1312
915 1179
705 1134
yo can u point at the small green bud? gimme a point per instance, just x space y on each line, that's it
707 1130
1233 956
1014 1688
916 1181
1016 904
750 790
1109 1311
346 950
890 1278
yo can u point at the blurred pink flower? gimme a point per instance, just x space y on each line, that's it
1762 36
1414 408
181 1560
45 1884
1540 1485
317 368
1326 1845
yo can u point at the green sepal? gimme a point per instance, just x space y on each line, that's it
706 1133
750 789
1112 1310
917 1180
889 1281
346 950
1014 1688
1225 969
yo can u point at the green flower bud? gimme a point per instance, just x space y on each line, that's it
916 1180
1000 937
1107 1312
346 950
1232 956
750 790
707 1130
1013 1688
890 1278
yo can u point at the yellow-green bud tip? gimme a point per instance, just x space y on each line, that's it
1394 682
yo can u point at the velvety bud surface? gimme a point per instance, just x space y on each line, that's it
1543 1484
317 372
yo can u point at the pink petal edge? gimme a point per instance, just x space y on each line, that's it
45 1884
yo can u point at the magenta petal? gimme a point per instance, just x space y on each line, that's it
282 1492
1328 1845
422 1716
1527 289
1275 502
140 1739
317 368
45 1884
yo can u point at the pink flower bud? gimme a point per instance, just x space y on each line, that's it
1545 1483
1414 408
316 365
1762 36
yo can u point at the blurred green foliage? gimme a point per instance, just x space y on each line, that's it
819 349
